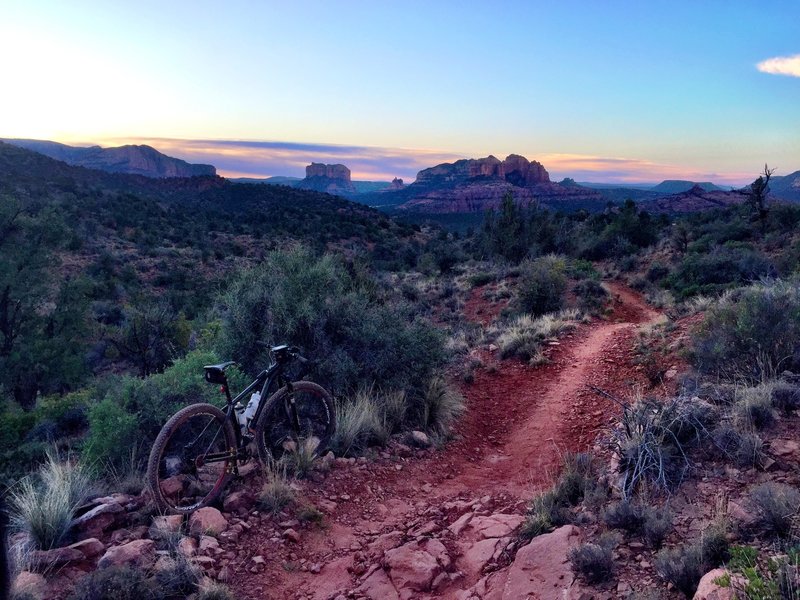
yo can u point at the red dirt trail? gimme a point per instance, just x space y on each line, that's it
520 420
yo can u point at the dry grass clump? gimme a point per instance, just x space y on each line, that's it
653 524
43 505
358 423
442 405
552 508
276 493
684 566
524 335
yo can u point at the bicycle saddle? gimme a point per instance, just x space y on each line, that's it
216 373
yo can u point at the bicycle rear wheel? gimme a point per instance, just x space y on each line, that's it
300 413
191 459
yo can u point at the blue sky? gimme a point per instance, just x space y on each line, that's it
610 90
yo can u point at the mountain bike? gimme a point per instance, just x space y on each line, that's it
200 447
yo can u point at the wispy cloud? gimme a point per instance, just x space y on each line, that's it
781 65
243 158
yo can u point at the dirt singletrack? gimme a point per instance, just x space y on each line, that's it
520 420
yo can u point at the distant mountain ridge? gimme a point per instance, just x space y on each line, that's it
786 187
130 159
677 186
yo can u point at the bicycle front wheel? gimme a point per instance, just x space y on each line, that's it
298 414
191 459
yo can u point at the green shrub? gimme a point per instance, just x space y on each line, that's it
342 320
777 505
653 524
751 333
592 296
542 285
743 448
718 270
656 526
594 562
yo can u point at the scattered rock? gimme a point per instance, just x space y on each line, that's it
90 548
209 545
187 547
165 526
378 586
57 557
708 590
207 521
291 535
413 566
495 526
140 553
783 447
30 583
239 502
99 519
419 439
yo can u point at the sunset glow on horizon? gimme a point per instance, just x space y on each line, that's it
613 92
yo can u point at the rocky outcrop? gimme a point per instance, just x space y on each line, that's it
476 185
332 179
132 159
516 170
709 589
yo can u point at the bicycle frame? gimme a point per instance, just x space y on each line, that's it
265 381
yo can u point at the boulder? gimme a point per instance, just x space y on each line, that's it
29 583
238 502
495 526
140 553
89 548
543 565
99 519
187 547
207 521
708 590
57 557
419 439
378 586
413 566
475 557
165 526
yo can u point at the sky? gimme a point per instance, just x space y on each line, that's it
598 91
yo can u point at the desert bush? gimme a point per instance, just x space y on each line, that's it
178 578
337 317
752 333
722 268
542 285
786 397
625 515
652 523
684 566
594 562
119 583
300 461
592 296
777 505
744 448
43 505
653 439
759 579
524 335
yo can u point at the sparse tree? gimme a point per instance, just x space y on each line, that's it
757 196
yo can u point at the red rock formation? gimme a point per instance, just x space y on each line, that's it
337 171
333 179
